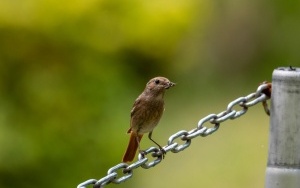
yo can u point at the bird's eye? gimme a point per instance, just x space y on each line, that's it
156 81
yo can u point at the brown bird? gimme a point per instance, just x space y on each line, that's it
145 114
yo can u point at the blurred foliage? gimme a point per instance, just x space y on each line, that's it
70 71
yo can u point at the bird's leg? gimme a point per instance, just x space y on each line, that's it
142 152
160 148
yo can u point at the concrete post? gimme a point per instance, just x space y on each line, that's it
283 168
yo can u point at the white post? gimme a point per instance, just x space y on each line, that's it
283 168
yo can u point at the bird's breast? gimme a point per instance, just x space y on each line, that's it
147 116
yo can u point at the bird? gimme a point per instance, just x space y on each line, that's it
146 113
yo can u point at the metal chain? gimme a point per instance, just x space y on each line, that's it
262 94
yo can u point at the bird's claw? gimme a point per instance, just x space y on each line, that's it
143 153
161 152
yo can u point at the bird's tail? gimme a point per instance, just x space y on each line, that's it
132 147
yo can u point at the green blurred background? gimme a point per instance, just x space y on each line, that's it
71 70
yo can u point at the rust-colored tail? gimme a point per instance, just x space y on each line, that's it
132 147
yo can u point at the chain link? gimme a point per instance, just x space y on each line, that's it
262 94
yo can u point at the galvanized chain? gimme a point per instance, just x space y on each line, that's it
262 94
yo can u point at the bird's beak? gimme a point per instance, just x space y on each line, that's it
170 84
